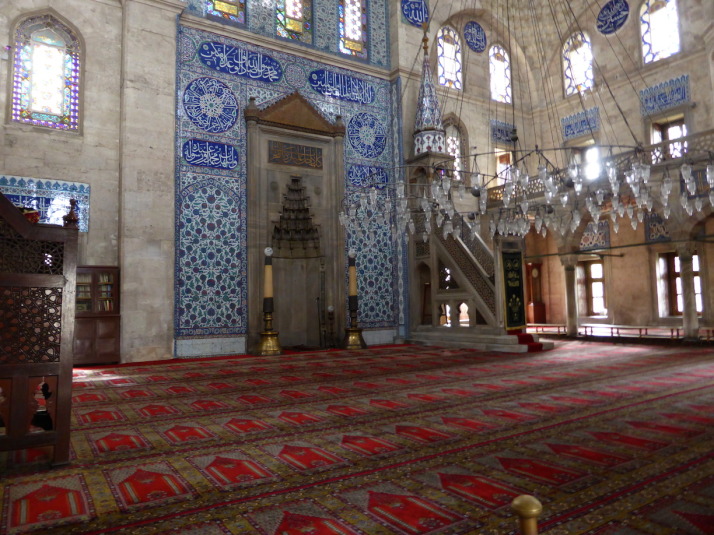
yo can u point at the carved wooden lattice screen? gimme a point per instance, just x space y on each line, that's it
37 287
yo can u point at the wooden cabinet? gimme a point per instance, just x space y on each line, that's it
535 308
97 320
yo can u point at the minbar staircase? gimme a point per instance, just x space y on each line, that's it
471 264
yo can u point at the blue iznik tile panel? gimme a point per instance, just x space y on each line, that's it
415 12
596 236
215 78
665 96
49 197
655 228
402 258
612 16
475 36
501 132
261 19
580 124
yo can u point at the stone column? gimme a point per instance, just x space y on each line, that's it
257 225
334 246
690 319
571 302
147 183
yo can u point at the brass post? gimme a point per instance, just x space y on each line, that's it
528 508
353 334
269 343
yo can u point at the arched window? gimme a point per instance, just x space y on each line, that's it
500 69
577 64
232 10
453 147
449 53
46 74
353 27
659 24
294 20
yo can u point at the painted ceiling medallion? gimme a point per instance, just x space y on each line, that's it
475 36
415 11
613 16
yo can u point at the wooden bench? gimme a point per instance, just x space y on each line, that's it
708 332
642 331
548 328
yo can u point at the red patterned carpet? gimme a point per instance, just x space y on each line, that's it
613 439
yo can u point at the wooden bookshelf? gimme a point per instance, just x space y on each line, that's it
97 327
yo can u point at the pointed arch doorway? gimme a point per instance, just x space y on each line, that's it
295 186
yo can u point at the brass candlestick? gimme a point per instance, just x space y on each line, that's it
353 334
269 343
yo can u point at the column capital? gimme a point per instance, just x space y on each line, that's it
685 250
569 260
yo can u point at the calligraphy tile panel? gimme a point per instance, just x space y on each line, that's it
211 284
501 132
580 124
655 228
665 96
296 155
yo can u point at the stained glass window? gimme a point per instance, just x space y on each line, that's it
232 10
46 74
500 69
577 64
659 24
453 147
294 20
353 27
449 51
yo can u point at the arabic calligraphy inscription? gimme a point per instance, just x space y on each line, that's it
292 154
416 12
210 104
240 62
342 86
210 154
612 16
475 36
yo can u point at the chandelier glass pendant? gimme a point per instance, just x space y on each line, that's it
619 186
557 189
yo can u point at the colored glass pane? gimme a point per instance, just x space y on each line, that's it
659 24
449 52
353 28
578 64
46 74
232 10
500 70
293 20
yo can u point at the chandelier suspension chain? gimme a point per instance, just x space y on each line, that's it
547 80
604 79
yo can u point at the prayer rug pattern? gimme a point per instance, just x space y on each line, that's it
612 439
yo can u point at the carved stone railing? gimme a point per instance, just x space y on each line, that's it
483 286
475 244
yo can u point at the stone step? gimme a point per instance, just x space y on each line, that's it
483 341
